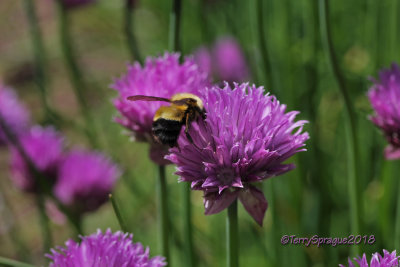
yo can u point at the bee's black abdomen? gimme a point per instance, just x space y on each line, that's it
167 131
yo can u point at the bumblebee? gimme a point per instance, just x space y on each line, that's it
168 120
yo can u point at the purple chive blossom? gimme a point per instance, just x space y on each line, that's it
14 113
388 260
163 77
226 62
384 96
230 63
44 146
108 249
76 3
85 179
244 140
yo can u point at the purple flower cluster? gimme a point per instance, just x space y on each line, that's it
15 114
81 180
384 96
244 140
162 77
388 260
108 249
85 180
226 61
77 177
44 146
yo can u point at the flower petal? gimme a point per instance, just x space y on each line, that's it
215 203
254 202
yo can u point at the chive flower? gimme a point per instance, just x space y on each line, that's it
44 147
230 61
104 249
384 96
14 113
226 61
162 76
245 139
85 179
388 260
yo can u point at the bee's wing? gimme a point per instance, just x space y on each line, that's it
181 101
147 98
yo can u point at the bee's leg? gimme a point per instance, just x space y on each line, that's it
187 125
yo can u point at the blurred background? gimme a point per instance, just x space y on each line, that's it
312 199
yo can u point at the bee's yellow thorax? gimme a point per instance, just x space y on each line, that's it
188 95
174 112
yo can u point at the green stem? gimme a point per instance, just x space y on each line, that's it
44 222
118 213
322 185
13 263
175 26
274 253
382 29
370 34
39 52
76 221
232 239
392 30
353 173
40 63
75 72
262 44
386 206
129 32
162 207
188 229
